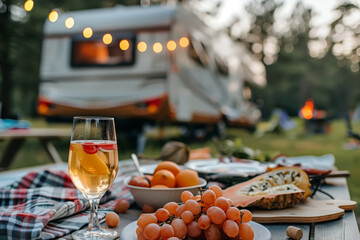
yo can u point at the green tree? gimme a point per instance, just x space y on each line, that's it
297 69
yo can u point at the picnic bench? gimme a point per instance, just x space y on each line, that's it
16 139
345 228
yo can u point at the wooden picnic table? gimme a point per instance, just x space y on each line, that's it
16 139
345 228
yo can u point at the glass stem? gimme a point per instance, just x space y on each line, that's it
94 220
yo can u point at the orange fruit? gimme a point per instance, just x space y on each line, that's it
164 177
186 178
168 165
92 163
160 186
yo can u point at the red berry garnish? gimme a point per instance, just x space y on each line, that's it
90 148
108 146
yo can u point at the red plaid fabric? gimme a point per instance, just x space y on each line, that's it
46 205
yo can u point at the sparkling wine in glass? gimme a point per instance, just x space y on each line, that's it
93 165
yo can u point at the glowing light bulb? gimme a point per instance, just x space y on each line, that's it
69 22
157 47
107 38
87 32
53 16
142 46
124 45
171 45
28 5
184 42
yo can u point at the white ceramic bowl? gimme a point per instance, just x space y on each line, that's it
158 197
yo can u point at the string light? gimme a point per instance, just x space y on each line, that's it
142 46
107 38
69 22
184 42
124 45
53 16
87 32
157 47
171 45
28 5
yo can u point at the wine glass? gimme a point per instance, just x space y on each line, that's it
93 165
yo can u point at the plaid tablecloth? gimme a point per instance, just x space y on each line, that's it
46 205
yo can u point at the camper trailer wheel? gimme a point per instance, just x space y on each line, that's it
220 130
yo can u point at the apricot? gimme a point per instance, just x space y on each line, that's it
139 181
122 206
112 219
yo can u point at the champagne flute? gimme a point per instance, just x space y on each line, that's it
93 165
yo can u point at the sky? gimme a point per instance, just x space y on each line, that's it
230 8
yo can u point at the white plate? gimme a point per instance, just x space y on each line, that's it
213 166
260 232
324 162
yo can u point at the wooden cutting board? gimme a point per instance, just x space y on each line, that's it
310 211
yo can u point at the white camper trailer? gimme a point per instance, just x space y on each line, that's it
160 64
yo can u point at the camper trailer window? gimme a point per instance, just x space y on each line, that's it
89 53
198 52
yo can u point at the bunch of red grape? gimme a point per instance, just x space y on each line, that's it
207 216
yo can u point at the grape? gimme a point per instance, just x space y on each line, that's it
140 235
204 222
186 195
146 219
206 207
192 206
217 190
147 208
216 215
245 216
233 213
171 207
209 197
166 231
112 219
231 203
122 206
209 216
162 214
230 228
212 233
222 203
193 229
246 232
187 217
197 198
179 210
179 228
152 231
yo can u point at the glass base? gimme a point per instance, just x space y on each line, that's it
95 234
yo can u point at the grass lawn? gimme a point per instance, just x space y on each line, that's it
292 143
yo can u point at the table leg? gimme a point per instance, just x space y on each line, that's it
10 151
51 150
